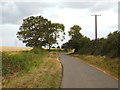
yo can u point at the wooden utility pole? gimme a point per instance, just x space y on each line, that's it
95 25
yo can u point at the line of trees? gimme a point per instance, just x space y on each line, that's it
39 31
102 46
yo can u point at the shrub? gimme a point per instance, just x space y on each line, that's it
36 50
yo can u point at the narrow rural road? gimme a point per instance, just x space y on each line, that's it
77 74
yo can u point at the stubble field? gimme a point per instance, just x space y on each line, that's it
14 49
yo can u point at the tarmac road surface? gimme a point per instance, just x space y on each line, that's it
77 74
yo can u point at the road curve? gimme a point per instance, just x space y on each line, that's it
77 74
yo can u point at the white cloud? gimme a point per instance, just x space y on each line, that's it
9 35
107 22
67 12
13 13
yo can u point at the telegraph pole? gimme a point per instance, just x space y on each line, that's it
95 25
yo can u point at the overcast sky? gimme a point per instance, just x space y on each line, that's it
67 12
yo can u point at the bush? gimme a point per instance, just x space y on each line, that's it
84 51
104 47
36 50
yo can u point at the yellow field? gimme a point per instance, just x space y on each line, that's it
14 49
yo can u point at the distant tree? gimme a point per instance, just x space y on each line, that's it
58 46
76 37
53 47
106 46
38 31
111 46
66 45
85 47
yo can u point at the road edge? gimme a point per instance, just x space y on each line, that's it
61 70
97 67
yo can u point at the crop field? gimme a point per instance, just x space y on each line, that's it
14 49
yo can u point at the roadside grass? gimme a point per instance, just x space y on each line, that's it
31 69
12 63
51 77
110 65
59 50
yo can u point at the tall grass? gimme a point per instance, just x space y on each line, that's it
103 62
36 69
21 61
59 50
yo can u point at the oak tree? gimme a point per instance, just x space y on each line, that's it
39 31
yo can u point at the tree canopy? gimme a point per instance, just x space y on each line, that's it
76 37
109 46
39 31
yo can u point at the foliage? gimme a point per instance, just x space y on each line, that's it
66 45
109 46
58 30
58 50
36 50
77 41
39 31
104 47
74 31
76 37
58 46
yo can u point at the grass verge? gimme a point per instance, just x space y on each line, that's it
105 64
31 70
59 50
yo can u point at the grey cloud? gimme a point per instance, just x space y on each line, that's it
32 7
102 6
14 12
0 13
93 6
77 5
10 13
